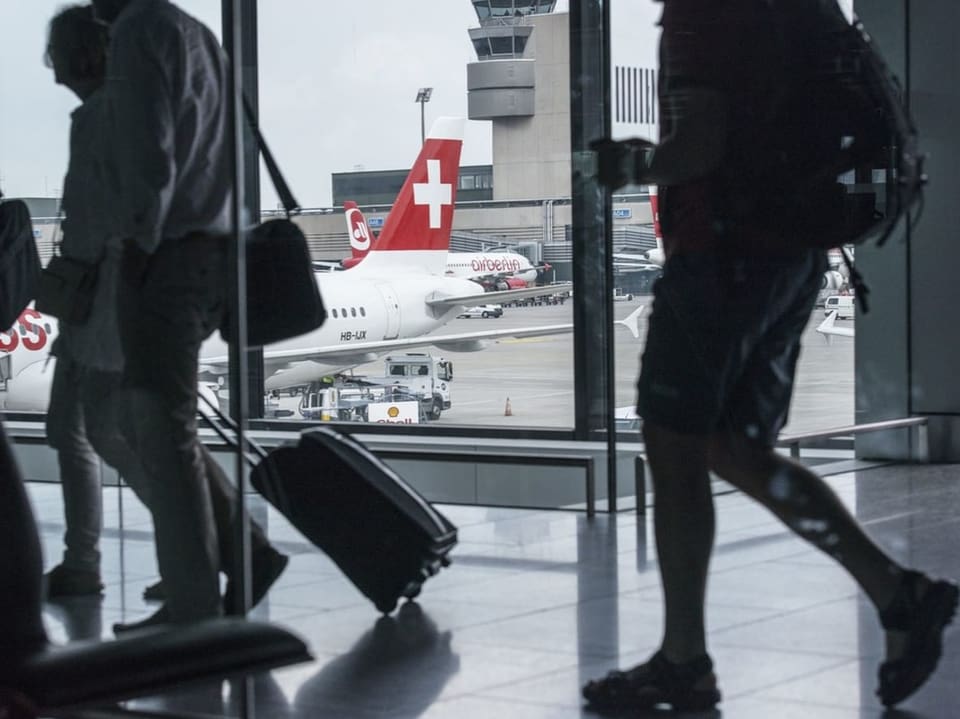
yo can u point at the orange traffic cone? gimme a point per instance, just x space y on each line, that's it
508 411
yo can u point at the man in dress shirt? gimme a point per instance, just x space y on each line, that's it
83 415
168 103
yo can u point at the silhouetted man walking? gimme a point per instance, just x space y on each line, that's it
719 361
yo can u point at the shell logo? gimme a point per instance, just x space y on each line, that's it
393 412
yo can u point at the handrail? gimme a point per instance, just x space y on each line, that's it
793 441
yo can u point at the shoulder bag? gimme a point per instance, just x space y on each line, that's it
283 299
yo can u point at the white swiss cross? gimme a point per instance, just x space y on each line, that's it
434 193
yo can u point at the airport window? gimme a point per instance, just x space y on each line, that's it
482 48
633 101
501 45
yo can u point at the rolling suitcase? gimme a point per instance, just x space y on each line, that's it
378 530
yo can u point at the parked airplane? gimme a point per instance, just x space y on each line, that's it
394 300
497 270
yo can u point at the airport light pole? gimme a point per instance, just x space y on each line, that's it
423 97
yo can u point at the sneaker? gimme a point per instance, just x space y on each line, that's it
691 686
63 581
266 566
155 592
921 610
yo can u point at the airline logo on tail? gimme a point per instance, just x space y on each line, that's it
357 226
422 215
359 233
417 230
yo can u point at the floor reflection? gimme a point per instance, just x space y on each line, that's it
397 668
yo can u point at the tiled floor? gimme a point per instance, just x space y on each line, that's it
536 603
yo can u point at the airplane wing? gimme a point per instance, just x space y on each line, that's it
287 368
498 296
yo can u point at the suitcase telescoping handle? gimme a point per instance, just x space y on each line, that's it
256 452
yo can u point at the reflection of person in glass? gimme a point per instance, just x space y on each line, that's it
718 367
83 416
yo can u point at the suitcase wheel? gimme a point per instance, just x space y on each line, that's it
412 590
386 606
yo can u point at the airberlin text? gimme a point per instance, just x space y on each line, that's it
489 264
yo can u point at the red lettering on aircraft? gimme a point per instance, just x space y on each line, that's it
490 264
34 337
30 325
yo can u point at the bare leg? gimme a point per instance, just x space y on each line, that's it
684 527
809 507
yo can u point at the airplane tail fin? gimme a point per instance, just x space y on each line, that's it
656 256
359 233
417 230
632 321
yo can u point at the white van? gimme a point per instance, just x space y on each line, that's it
841 304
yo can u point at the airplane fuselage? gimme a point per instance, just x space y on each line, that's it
361 308
490 264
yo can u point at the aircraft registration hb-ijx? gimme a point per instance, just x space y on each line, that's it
391 301
499 270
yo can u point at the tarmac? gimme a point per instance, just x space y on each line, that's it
536 374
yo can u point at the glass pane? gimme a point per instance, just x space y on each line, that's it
354 136
34 148
827 360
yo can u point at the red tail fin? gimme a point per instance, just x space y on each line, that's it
359 233
422 216
656 255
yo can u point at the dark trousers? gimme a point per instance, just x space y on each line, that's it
169 304
83 422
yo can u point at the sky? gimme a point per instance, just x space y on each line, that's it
337 89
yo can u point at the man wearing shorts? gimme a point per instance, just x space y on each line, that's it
718 367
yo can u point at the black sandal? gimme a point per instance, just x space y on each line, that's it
691 686
922 608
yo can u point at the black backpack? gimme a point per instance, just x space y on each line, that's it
19 261
830 155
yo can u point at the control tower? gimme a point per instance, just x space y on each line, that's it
520 83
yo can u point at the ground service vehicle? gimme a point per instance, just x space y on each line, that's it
415 388
841 304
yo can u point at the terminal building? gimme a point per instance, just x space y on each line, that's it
519 84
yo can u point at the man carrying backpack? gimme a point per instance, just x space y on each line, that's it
722 346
